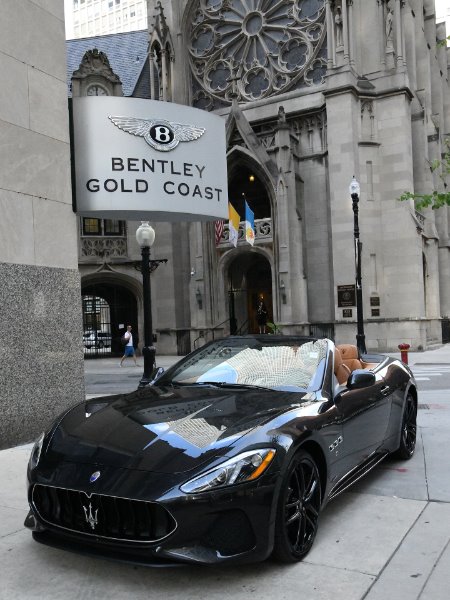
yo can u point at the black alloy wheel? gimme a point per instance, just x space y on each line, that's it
298 509
409 430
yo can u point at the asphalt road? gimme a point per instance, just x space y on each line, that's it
432 376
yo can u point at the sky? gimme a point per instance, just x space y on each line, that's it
442 7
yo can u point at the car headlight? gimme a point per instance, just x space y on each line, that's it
243 467
36 452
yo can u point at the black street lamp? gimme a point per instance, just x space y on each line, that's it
145 236
360 337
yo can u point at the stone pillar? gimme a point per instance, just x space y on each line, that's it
401 246
331 59
41 370
151 65
381 38
345 30
289 237
164 66
398 33
352 32
409 38
342 111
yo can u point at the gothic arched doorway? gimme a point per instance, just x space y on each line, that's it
249 277
107 310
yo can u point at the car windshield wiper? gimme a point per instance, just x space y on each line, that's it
225 384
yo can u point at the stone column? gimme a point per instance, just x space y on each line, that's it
342 113
289 237
345 30
151 65
330 36
381 37
398 32
352 32
164 59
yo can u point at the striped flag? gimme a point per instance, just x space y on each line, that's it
249 224
218 230
233 224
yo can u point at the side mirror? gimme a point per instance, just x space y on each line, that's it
360 378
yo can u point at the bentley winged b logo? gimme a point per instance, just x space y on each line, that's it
91 518
160 134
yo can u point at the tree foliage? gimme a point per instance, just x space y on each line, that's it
435 199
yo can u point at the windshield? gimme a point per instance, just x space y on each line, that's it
290 364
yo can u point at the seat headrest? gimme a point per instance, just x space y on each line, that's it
340 369
348 351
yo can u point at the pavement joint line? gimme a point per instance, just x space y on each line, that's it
388 562
346 569
419 431
433 569
4 537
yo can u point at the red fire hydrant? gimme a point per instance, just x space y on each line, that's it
404 348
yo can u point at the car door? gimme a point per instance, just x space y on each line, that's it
364 413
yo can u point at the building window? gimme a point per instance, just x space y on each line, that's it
103 227
113 227
91 226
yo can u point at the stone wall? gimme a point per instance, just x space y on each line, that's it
41 371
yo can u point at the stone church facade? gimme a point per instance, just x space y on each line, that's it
312 93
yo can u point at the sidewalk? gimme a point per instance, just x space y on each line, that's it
387 538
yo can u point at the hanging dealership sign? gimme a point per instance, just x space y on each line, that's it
136 159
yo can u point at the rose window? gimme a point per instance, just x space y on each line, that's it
255 49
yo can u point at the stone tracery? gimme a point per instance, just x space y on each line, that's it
266 46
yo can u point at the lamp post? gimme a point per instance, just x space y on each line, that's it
145 236
360 337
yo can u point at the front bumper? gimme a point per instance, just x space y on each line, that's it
233 525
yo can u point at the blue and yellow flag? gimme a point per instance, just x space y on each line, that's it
249 224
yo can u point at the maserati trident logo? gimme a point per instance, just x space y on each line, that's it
91 518
160 134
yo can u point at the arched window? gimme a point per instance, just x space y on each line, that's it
268 47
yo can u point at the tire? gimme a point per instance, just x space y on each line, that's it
409 430
298 509
100 345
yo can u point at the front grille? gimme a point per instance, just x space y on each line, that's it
103 516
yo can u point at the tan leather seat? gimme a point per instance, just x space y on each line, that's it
340 369
350 356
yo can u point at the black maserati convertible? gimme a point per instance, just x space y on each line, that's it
229 456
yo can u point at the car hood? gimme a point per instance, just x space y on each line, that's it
163 429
